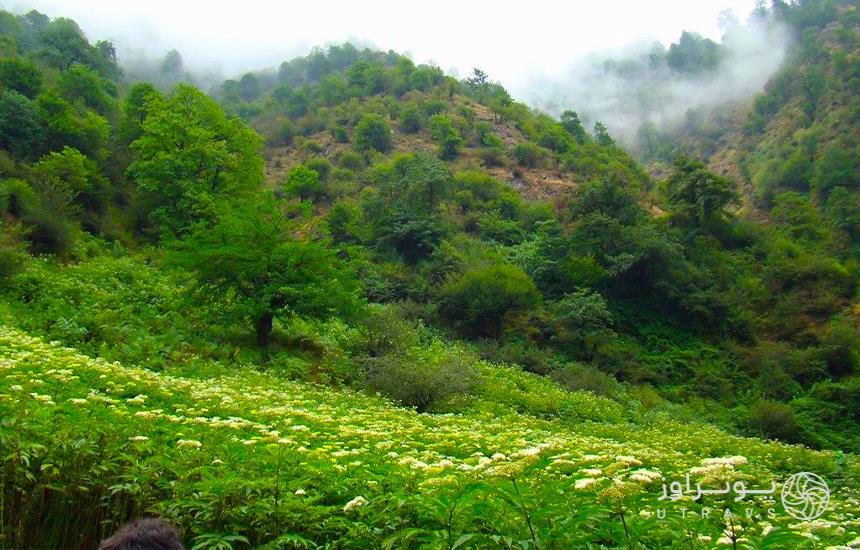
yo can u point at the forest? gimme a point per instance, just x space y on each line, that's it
357 302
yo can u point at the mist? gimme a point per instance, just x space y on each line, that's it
625 88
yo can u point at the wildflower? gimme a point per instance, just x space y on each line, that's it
189 443
300 492
726 460
138 438
78 401
136 400
499 456
16 387
300 428
629 460
584 483
354 504
592 472
532 451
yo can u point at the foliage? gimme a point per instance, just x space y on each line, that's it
484 299
189 155
249 261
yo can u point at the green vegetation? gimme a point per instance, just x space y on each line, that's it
364 304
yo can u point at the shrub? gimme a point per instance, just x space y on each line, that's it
774 420
12 253
528 154
446 136
303 182
484 298
491 156
575 377
350 161
321 166
372 133
285 133
411 119
426 378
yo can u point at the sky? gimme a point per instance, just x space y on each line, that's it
512 42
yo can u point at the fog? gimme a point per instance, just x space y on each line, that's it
547 54
631 91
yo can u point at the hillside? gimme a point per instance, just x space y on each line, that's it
358 303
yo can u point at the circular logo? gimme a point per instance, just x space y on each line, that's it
805 496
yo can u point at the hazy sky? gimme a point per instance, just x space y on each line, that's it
510 41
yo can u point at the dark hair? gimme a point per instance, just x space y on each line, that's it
144 534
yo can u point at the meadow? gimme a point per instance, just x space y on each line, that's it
250 459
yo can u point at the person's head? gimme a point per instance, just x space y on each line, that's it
144 534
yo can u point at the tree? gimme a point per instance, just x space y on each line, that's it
173 67
75 172
63 44
189 156
372 133
582 322
67 125
410 119
21 131
601 135
697 196
446 136
249 87
405 215
20 76
80 83
570 121
250 260
484 298
303 183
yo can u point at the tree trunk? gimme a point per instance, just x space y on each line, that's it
264 328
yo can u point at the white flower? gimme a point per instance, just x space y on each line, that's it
499 456
300 428
354 504
300 492
136 400
725 460
138 438
584 483
16 387
193 443
592 472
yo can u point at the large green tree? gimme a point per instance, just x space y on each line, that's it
189 156
251 259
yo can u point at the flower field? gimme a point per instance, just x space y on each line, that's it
250 460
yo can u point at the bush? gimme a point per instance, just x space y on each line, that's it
411 119
303 182
426 378
321 166
483 299
372 133
491 156
446 136
350 161
774 420
528 154
575 377
12 253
